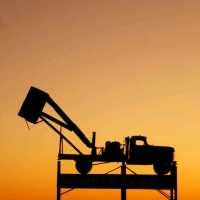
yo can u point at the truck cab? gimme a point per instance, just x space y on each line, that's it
139 152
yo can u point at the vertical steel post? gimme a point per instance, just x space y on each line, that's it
58 180
172 194
175 189
123 183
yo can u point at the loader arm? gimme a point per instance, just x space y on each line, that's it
70 125
33 105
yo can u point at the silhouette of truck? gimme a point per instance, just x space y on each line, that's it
135 151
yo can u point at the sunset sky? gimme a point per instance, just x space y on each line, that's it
115 67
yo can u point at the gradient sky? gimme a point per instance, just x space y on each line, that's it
116 67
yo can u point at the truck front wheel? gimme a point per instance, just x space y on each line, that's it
162 168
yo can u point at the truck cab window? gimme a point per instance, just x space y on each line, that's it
140 143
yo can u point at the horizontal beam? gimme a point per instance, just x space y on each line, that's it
116 181
96 158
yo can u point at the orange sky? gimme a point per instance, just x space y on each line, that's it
117 67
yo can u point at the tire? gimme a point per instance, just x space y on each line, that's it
162 168
83 165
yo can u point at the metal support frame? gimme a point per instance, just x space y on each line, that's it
121 181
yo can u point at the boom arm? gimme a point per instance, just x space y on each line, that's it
32 108
70 124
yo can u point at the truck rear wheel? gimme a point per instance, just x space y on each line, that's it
162 168
83 165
